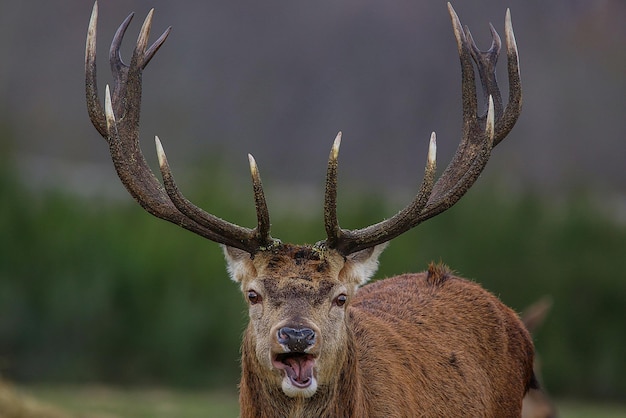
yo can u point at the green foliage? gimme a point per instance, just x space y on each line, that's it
95 292
99 292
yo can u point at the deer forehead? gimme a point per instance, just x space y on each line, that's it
297 272
297 290
306 262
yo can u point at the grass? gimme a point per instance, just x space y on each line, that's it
106 402
578 409
16 404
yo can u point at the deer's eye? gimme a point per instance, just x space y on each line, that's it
254 297
341 300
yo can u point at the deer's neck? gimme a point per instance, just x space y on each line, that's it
258 398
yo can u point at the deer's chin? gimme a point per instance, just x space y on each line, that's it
295 389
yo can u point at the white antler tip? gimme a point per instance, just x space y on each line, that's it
432 149
90 44
94 14
253 167
450 8
108 106
459 34
144 33
336 145
489 128
160 152
511 44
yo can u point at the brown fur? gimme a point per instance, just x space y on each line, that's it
417 345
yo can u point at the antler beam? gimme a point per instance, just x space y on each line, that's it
480 134
118 123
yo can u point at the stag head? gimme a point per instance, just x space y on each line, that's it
298 295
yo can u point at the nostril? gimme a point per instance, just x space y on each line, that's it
308 334
283 335
296 339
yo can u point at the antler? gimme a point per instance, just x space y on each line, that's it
480 135
118 123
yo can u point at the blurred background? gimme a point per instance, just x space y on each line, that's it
95 291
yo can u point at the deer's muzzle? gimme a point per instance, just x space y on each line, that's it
296 340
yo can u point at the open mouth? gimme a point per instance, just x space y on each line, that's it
298 368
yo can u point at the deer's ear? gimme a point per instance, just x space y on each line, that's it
361 266
534 315
238 263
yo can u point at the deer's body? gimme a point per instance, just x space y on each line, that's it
537 402
423 318
320 342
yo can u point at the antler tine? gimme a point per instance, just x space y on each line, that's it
118 123
119 69
262 232
514 106
94 108
487 61
331 224
480 135
223 231
351 241
155 47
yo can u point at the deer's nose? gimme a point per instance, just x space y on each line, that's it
296 340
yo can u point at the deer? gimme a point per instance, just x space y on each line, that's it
320 340
537 402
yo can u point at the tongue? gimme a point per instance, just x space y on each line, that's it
300 370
